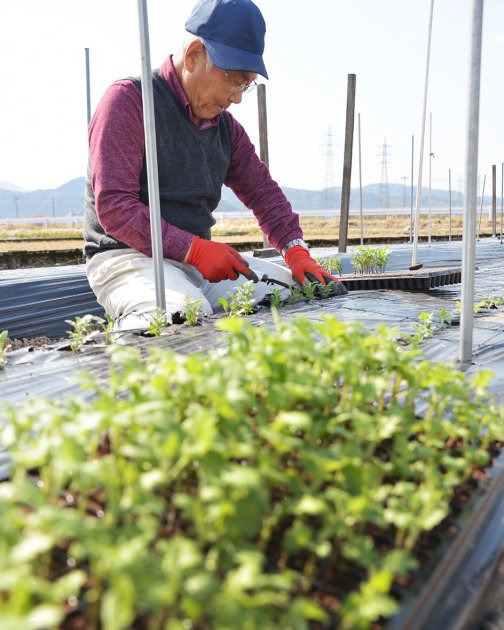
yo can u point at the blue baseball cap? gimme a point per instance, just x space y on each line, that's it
233 33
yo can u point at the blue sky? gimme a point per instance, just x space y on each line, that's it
311 47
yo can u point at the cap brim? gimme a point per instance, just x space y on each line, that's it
230 58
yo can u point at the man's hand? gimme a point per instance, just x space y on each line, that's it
305 269
217 261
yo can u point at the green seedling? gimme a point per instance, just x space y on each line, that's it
295 295
445 317
310 290
276 298
331 265
108 327
222 475
158 322
370 259
241 301
326 290
193 310
82 329
3 348
423 329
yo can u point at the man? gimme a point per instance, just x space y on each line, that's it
200 147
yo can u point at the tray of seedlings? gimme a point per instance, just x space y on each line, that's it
370 273
301 476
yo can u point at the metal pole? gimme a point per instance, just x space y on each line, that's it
494 200
471 179
151 156
88 87
429 232
450 206
422 139
412 175
481 207
347 164
502 196
263 134
360 186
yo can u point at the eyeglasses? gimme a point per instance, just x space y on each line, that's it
240 87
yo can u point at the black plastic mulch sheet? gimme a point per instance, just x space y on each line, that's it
36 302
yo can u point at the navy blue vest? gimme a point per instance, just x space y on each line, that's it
192 165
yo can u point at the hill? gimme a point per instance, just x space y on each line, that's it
68 199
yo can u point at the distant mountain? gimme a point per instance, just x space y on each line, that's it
9 186
68 199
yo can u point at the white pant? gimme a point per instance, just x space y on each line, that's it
123 282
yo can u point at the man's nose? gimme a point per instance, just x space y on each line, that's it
236 96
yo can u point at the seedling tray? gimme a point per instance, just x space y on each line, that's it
406 280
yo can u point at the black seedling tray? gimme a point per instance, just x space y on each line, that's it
405 280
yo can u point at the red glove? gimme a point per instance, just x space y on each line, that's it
217 261
305 269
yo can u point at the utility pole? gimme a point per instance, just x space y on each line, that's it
52 206
16 205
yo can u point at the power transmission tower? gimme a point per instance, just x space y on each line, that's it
384 190
329 181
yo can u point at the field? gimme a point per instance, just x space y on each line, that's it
391 227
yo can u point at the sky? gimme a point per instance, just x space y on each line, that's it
311 48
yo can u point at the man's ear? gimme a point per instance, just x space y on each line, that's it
194 52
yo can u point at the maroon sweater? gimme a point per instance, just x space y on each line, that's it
117 153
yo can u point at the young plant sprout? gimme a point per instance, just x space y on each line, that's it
193 310
241 301
310 290
237 483
370 259
158 322
82 329
3 349
296 295
331 265
276 298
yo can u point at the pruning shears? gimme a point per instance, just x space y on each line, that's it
263 277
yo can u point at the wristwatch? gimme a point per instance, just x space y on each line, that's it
296 241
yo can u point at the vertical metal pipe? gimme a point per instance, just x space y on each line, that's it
412 187
450 206
429 229
151 156
422 140
471 179
88 87
360 186
263 134
347 164
481 208
494 200
502 197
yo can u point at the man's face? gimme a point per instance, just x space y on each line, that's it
212 92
